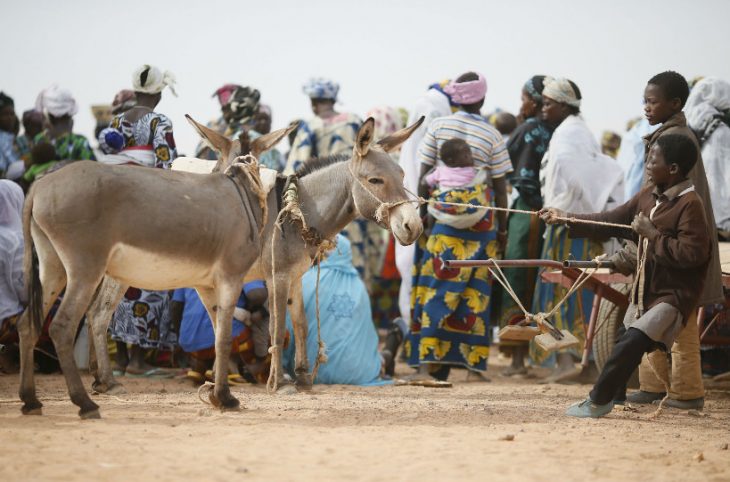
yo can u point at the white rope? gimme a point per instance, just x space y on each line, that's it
419 200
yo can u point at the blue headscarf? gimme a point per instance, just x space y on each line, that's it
321 88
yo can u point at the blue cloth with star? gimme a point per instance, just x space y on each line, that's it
347 323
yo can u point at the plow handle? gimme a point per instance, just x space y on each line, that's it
569 263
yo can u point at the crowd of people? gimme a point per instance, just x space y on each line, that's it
544 157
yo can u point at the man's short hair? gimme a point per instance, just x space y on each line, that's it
680 150
673 85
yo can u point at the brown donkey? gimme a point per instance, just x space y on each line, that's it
189 230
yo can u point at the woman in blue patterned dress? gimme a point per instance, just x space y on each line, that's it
142 137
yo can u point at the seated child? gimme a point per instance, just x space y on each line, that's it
250 332
457 169
670 227
42 157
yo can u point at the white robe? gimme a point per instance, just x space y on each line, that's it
709 98
575 176
432 105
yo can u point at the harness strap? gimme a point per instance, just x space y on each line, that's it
246 206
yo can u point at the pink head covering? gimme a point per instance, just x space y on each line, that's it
224 93
465 93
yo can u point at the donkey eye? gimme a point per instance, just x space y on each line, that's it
376 180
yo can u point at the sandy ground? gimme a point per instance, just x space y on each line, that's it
506 429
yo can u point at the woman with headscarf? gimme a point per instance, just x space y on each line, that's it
708 114
59 106
140 136
329 132
9 151
576 176
229 122
12 291
450 322
527 146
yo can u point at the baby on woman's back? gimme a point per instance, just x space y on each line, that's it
457 169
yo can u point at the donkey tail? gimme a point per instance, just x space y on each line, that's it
30 267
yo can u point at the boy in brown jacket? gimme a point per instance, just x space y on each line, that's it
664 99
670 227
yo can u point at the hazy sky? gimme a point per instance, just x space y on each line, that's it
381 52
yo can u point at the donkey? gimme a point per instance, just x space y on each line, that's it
330 197
331 194
191 230
110 293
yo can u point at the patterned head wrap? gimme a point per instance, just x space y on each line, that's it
387 120
56 101
320 88
224 93
243 103
469 92
123 101
535 85
562 91
151 80
6 100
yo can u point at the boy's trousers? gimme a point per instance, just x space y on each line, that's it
624 359
686 378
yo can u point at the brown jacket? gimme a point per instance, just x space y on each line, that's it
677 124
677 260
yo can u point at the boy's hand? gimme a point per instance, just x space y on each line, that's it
644 227
551 215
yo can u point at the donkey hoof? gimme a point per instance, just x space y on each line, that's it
88 410
286 389
33 408
232 405
90 415
304 387
109 389
304 382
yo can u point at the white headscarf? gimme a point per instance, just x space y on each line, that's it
151 80
709 98
56 101
561 90
11 206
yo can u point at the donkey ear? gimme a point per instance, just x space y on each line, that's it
219 143
365 137
394 140
266 142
